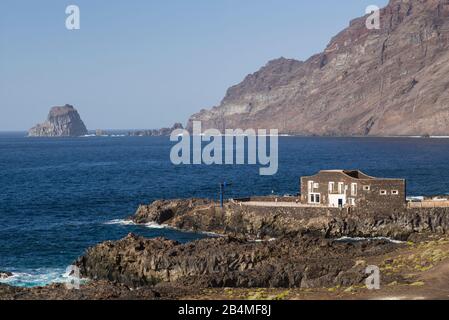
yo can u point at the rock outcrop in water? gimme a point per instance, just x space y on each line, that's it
5 274
61 122
163 132
300 262
392 81
162 211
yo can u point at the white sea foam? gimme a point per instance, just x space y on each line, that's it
150 225
415 198
154 225
358 239
104 136
38 277
121 222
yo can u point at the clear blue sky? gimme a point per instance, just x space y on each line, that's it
147 63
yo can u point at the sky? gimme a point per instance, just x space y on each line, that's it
141 64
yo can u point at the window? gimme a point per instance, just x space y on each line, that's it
366 188
310 186
341 186
383 192
316 185
395 192
353 189
314 198
331 187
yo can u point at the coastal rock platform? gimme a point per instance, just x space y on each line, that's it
265 222
300 262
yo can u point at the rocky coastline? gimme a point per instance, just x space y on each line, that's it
275 250
239 219
290 262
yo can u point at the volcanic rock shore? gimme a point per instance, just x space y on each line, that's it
95 290
270 247
273 248
290 262
259 222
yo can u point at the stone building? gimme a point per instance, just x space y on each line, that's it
352 188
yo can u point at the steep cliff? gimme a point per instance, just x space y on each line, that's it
392 81
61 122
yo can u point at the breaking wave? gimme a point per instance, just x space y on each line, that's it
122 222
154 225
37 278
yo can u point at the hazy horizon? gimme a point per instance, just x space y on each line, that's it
146 65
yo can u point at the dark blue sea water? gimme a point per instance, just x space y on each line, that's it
60 196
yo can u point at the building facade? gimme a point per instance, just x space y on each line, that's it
352 188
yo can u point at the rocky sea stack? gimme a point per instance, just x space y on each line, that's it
61 122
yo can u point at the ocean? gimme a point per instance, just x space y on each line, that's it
60 196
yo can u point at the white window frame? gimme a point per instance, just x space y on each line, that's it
341 188
354 189
316 185
366 188
313 198
395 192
310 186
383 192
331 187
